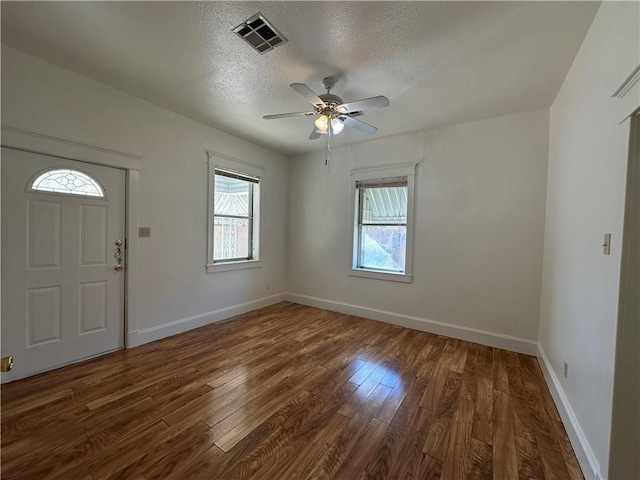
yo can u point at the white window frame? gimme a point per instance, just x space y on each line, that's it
378 173
220 161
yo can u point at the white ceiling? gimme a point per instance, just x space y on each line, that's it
439 63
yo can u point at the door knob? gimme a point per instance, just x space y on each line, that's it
119 267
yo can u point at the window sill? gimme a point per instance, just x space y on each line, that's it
380 275
228 266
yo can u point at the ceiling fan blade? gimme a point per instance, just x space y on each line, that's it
359 124
285 115
307 93
364 104
315 134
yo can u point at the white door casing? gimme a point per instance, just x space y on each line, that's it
62 299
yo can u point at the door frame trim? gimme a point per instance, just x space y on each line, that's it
622 460
50 144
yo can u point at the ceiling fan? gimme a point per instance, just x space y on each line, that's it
333 114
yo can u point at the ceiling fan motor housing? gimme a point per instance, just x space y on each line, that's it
331 101
330 98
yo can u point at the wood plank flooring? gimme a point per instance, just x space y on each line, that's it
289 392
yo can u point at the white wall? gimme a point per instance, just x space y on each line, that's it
479 223
173 284
585 198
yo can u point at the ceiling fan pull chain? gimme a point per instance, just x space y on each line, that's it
327 160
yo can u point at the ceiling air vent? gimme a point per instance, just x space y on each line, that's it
260 34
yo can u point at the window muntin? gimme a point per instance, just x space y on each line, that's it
233 216
382 224
69 182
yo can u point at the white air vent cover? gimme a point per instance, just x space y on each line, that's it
260 34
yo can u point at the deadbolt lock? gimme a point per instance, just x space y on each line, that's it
6 364
119 256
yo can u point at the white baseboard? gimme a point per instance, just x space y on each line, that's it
152 334
584 453
515 344
132 339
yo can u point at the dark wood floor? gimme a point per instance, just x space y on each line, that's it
289 392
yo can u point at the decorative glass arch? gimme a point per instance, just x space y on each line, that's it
69 182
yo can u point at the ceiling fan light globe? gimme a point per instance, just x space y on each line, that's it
336 126
322 122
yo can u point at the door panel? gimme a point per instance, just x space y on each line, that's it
93 306
62 299
43 235
93 235
43 315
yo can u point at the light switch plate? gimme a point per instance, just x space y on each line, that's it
144 232
606 246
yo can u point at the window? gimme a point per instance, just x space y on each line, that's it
233 216
234 192
67 181
382 222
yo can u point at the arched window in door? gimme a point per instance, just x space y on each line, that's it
67 181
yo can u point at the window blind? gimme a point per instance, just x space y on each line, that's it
382 182
237 175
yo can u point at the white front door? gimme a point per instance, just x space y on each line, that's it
62 297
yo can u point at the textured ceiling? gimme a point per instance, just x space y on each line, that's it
439 63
